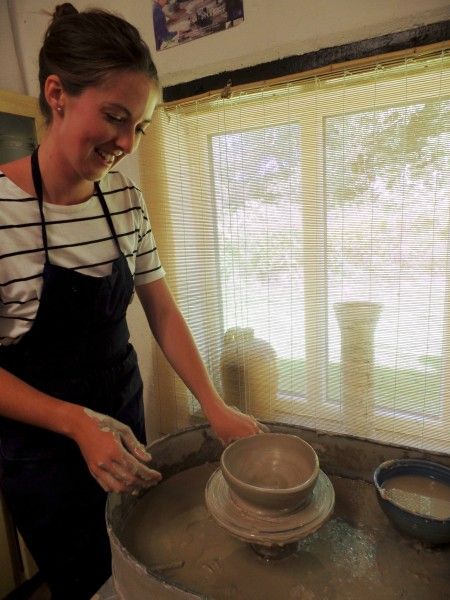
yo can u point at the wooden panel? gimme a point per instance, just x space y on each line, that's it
18 104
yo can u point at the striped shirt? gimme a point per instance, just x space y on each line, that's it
79 238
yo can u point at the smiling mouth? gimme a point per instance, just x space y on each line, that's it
107 157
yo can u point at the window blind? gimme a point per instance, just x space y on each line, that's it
304 227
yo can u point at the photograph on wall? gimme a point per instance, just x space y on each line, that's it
180 21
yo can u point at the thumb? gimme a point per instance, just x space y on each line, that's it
263 427
134 446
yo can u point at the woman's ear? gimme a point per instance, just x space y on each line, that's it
54 93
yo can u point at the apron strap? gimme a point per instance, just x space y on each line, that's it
107 214
37 182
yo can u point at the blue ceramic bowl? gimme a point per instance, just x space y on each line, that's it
428 529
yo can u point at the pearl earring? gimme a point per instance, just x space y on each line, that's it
59 109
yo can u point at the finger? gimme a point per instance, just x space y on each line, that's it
145 478
114 478
149 476
138 488
122 474
251 428
137 470
133 445
264 428
141 453
257 426
108 482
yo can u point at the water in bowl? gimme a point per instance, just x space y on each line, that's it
420 495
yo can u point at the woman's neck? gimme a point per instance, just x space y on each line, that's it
61 184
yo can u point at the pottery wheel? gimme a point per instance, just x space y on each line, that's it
268 529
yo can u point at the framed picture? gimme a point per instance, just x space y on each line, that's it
179 21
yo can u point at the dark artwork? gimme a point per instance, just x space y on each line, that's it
180 21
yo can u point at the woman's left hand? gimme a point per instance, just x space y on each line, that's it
175 339
230 424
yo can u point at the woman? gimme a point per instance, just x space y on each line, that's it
75 243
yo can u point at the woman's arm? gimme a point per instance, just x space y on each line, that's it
110 449
176 341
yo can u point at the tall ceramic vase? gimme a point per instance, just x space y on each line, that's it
357 321
249 372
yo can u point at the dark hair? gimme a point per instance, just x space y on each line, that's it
82 48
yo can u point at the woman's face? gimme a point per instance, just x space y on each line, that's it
104 123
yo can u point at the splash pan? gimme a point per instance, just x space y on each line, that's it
166 545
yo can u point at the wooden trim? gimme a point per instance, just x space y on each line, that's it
385 46
335 68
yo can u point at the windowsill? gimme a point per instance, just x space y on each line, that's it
346 455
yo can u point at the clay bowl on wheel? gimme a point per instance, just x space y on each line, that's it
270 472
415 496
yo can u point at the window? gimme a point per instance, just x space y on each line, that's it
256 184
317 214
387 237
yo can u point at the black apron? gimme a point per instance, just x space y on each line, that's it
77 350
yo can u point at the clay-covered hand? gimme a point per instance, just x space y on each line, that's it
113 454
230 424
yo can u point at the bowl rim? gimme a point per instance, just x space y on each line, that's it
265 490
404 462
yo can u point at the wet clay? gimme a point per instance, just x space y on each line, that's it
418 494
355 555
274 472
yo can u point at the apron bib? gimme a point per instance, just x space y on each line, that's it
76 350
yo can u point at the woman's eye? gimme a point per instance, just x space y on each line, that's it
140 130
114 118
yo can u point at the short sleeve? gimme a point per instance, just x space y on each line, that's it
148 264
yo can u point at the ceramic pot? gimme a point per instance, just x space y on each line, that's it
249 371
357 322
274 472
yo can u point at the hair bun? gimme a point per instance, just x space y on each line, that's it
64 10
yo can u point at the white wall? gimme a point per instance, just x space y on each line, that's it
11 76
272 29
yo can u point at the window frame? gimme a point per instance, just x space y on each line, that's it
227 118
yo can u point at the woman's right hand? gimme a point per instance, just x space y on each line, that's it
113 454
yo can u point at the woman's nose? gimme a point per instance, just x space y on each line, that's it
126 141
